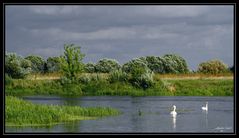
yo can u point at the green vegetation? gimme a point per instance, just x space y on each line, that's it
66 75
53 64
213 67
89 67
16 66
105 84
71 62
106 65
24 113
37 63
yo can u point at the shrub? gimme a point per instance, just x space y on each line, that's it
87 78
135 65
107 65
212 67
37 63
140 75
71 61
118 76
90 67
53 64
156 64
174 64
142 80
8 79
16 66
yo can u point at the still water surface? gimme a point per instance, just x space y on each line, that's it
144 114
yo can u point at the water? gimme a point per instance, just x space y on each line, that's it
144 115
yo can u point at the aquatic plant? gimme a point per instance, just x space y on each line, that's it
22 113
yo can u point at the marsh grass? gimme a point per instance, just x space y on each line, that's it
23 113
98 84
193 76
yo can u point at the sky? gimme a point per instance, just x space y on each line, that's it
197 33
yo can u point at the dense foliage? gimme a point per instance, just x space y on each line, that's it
107 65
140 75
118 76
37 63
212 67
90 67
16 66
71 61
174 64
53 64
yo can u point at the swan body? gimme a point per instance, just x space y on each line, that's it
173 113
205 107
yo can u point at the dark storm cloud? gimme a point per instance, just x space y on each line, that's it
197 33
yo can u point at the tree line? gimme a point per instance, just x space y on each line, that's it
71 63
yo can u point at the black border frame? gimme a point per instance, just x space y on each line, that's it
4 4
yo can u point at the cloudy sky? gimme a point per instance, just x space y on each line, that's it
195 32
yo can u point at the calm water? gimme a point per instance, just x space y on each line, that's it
154 118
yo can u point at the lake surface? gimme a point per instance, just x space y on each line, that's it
149 114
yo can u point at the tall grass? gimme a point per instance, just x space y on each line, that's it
203 87
99 84
192 75
24 113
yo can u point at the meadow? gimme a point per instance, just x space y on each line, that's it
98 84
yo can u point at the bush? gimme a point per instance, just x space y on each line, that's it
212 67
90 67
174 64
143 80
135 65
53 64
37 63
107 65
8 79
156 64
16 66
87 78
140 75
118 76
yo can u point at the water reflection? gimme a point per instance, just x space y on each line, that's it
174 123
144 114
205 112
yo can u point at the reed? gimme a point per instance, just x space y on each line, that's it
23 113
98 84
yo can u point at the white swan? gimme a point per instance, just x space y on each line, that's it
205 107
173 113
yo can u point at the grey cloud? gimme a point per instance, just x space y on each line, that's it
197 33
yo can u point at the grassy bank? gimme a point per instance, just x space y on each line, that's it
24 113
162 87
56 76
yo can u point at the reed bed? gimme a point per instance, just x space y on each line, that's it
23 113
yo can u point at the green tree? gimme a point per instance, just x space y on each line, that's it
139 73
37 63
175 64
156 64
135 65
16 66
90 67
71 61
53 64
214 66
107 65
